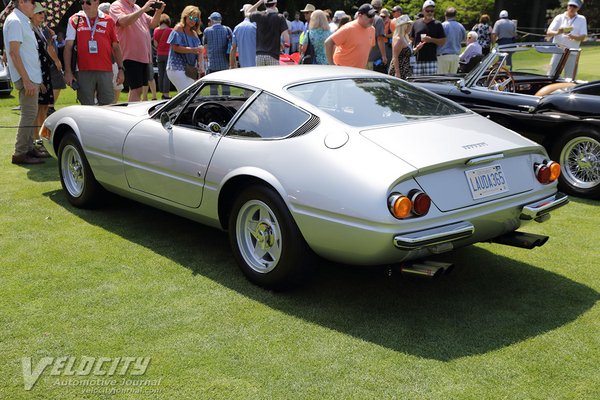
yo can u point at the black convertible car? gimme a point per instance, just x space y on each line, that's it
532 98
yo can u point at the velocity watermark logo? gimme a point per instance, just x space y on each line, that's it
100 371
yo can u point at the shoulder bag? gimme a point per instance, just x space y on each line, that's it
309 54
191 71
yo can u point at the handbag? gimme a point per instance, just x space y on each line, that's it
190 69
309 55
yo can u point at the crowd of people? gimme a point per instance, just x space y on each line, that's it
109 44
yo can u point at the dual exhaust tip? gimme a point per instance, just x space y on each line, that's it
427 269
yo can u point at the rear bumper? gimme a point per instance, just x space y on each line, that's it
430 238
540 209
434 237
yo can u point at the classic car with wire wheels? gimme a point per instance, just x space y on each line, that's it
343 163
535 99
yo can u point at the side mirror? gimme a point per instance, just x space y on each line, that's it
165 120
214 127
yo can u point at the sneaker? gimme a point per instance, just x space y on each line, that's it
51 110
26 159
17 108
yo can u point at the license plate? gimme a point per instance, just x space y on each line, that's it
487 181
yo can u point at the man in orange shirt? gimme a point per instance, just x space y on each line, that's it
350 45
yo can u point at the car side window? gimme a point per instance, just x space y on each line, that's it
214 102
269 117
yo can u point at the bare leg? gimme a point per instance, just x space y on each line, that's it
39 120
135 94
152 85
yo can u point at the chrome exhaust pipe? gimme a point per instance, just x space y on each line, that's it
426 269
521 239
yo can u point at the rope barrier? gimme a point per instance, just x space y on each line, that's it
525 33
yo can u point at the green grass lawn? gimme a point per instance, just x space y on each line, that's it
130 281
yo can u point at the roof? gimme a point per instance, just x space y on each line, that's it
275 78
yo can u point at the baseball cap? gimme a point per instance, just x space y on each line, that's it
428 3
338 14
503 14
270 2
397 8
403 19
215 16
377 3
367 10
576 3
245 7
38 8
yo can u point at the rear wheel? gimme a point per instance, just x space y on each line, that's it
76 176
266 242
578 153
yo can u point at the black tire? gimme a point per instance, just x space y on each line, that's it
578 153
266 242
76 176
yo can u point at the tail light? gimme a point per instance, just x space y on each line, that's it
546 172
420 202
416 203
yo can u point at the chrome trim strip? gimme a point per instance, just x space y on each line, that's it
542 207
433 237
485 159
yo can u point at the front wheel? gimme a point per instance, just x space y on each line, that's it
578 153
266 242
76 176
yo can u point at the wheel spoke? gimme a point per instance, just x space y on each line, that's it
260 236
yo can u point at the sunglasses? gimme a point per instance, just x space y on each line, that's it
430 10
88 2
192 18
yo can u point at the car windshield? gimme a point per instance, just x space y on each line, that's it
374 101
529 59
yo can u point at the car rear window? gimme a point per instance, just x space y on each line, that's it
374 101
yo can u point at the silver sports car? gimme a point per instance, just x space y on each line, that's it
350 165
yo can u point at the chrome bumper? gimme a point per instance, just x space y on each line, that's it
434 237
540 210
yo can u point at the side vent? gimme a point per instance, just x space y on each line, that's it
307 127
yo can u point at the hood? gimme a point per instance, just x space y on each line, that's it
137 109
431 143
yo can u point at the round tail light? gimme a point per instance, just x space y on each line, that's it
421 203
554 170
400 205
542 173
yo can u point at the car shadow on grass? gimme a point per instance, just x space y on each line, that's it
487 303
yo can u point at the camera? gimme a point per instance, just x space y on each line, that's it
156 5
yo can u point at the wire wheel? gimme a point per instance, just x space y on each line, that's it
580 160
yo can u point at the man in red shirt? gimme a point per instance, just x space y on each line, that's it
97 44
